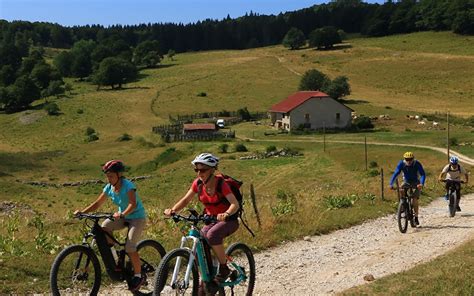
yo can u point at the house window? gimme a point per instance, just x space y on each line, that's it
306 117
338 116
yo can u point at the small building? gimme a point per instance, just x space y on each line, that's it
312 110
199 128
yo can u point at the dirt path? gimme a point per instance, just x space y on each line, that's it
332 263
327 264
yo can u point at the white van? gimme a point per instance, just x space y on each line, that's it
220 123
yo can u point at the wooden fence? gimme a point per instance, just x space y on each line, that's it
179 137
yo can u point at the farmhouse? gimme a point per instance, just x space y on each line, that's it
310 109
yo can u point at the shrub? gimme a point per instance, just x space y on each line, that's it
202 94
338 202
362 122
90 131
223 148
271 148
124 137
373 164
80 111
453 142
373 173
286 204
240 148
52 109
92 138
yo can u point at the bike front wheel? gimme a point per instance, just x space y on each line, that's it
75 271
402 216
453 199
170 279
151 252
242 257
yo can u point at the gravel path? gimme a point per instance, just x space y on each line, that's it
332 263
327 264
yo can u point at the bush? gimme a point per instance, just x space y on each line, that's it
338 202
373 173
223 148
271 148
240 148
124 137
362 122
286 204
80 111
52 109
202 94
92 138
373 164
90 131
453 142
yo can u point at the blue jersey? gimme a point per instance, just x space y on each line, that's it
410 172
121 199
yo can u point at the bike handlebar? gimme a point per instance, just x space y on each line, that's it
193 218
452 181
94 216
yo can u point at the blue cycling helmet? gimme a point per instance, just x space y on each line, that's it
453 160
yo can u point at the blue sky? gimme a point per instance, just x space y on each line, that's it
109 12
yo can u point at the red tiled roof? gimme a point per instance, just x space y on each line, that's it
295 100
199 126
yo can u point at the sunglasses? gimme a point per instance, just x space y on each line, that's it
408 159
201 170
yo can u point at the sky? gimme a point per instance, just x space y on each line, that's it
110 12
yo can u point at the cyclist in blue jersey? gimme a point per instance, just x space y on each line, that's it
411 169
130 213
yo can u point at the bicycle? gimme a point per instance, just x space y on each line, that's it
181 269
76 269
452 194
405 210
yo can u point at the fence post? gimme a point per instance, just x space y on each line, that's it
365 145
381 182
254 203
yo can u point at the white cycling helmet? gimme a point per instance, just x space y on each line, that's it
207 159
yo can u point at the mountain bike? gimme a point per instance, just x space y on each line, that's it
182 269
453 196
405 211
77 271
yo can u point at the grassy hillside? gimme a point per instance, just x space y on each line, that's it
387 75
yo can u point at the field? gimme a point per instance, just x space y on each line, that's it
422 73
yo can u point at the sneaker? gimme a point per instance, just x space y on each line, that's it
136 283
223 273
458 208
416 221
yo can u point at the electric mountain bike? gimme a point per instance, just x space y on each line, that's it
190 269
453 196
405 212
76 270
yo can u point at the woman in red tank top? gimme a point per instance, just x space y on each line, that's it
223 205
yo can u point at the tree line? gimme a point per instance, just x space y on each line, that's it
254 30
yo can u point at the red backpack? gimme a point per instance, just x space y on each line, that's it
234 186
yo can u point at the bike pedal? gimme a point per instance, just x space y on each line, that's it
234 275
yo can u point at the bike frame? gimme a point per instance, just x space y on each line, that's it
98 235
206 270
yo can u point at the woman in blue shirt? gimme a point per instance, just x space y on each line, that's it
123 193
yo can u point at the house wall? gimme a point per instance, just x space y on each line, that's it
322 112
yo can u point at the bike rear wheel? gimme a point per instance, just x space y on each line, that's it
453 199
76 270
151 253
242 256
402 216
176 263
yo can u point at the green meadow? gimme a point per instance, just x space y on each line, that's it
417 74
